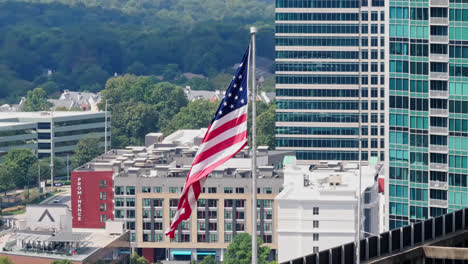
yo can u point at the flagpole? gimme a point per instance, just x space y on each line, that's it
253 31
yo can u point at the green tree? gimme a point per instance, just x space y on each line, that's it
221 81
87 149
266 127
208 260
7 183
61 261
44 164
200 84
240 250
36 100
195 115
171 72
5 260
138 260
17 162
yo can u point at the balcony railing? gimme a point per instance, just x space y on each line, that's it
439 57
438 185
438 148
440 3
439 21
438 112
439 203
438 166
439 130
439 75
443 94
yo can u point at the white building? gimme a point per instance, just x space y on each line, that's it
317 208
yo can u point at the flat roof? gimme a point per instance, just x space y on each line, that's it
45 114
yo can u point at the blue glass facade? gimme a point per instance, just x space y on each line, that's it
329 77
428 109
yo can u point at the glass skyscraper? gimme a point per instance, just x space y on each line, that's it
428 108
329 57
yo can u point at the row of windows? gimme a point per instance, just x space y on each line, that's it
317 143
79 132
318 67
458 15
317 41
458 107
458 51
317 131
17 132
317 16
317 55
459 70
79 122
317 117
318 92
317 3
421 68
19 143
416 86
317 79
327 155
317 28
458 125
313 104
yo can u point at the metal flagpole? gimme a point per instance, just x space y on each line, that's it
253 30
358 227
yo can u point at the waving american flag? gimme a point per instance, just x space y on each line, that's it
225 137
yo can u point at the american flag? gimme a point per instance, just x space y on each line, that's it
225 137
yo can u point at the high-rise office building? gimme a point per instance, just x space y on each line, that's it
329 57
428 109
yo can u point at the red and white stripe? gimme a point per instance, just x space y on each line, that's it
224 138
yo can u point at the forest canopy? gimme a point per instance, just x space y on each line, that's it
78 44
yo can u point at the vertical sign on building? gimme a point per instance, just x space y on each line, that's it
91 200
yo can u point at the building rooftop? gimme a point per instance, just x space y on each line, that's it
43 114
327 181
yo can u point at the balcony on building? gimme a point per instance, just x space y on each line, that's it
438 203
438 148
438 166
438 185
440 94
443 3
438 112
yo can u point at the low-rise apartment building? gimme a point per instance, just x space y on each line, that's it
146 185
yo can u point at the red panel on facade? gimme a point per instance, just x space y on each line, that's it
148 253
88 189
381 185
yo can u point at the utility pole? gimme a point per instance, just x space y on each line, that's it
68 168
105 129
52 152
39 176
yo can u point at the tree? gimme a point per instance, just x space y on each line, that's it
266 127
17 162
240 250
87 149
7 183
5 260
221 81
208 260
195 115
44 164
138 260
61 261
36 100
